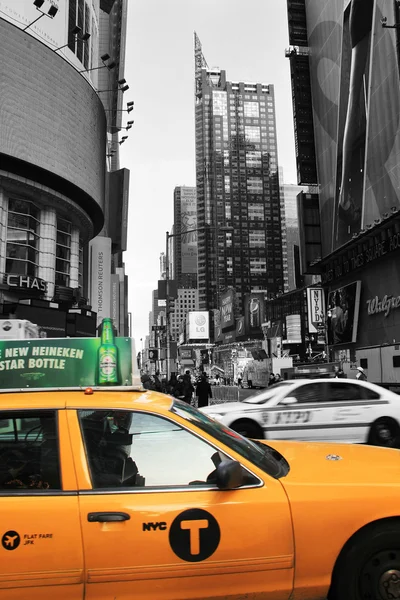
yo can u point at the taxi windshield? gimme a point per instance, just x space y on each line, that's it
264 395
262 456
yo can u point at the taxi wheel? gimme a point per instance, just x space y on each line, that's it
369 568
385 432
248 429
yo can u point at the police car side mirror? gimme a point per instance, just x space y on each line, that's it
229 475
288 400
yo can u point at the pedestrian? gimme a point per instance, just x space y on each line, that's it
188 388
203 391
157 382
171 385
361 375
271 380
277 378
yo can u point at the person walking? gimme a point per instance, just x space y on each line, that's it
188 388
203 391
361 375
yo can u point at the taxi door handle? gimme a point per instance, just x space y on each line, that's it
105 517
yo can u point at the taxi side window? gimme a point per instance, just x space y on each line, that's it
141 450
312 392
29 457
339 391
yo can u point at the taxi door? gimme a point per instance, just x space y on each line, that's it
41 553
172 536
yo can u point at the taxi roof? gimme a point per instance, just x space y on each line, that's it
86 398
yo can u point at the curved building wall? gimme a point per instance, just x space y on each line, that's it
52 123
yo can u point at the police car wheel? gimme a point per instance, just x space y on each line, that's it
248 429
385 432
369 566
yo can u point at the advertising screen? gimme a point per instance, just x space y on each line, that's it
198 323
65 363
354 70
227 310
188 222
254 312
342 316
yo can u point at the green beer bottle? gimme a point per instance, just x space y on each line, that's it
107 356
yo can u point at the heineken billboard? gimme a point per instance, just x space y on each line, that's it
69 362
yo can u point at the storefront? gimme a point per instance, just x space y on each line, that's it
362 288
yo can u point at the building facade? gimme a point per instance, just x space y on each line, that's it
238 203
356 107
184 256
53 121
289 194
187 301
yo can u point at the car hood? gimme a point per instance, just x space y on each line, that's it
230 407
331 464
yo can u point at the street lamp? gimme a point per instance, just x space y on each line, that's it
168 236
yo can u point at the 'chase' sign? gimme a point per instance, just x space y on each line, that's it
26 283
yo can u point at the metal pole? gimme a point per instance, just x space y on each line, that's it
167 328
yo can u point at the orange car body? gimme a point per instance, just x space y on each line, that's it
277 539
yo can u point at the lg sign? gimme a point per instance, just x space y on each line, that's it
198 325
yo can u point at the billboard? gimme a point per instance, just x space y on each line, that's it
100 275
342 316
254 312
354 66
63 363
188 222
227 310
293 329
198 325
315 309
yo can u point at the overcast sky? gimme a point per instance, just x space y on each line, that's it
246 38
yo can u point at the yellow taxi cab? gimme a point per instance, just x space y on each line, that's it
115 492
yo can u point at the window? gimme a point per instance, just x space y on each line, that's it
341 391
312 392
22 237
127 448
63 249
29 451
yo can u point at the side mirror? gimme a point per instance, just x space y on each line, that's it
288 400
229 475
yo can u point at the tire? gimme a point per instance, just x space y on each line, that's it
369 566
248 428
385 432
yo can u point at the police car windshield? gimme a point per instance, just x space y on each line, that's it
264 395
265 458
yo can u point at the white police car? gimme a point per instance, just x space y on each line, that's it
335 410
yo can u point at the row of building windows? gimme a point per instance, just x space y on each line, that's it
23 238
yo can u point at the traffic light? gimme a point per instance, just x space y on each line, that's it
153 355
171 304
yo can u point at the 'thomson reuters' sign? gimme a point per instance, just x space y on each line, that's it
26 283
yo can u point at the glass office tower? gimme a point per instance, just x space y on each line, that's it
238 205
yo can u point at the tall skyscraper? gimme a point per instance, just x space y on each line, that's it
289 194
238 206
185 244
